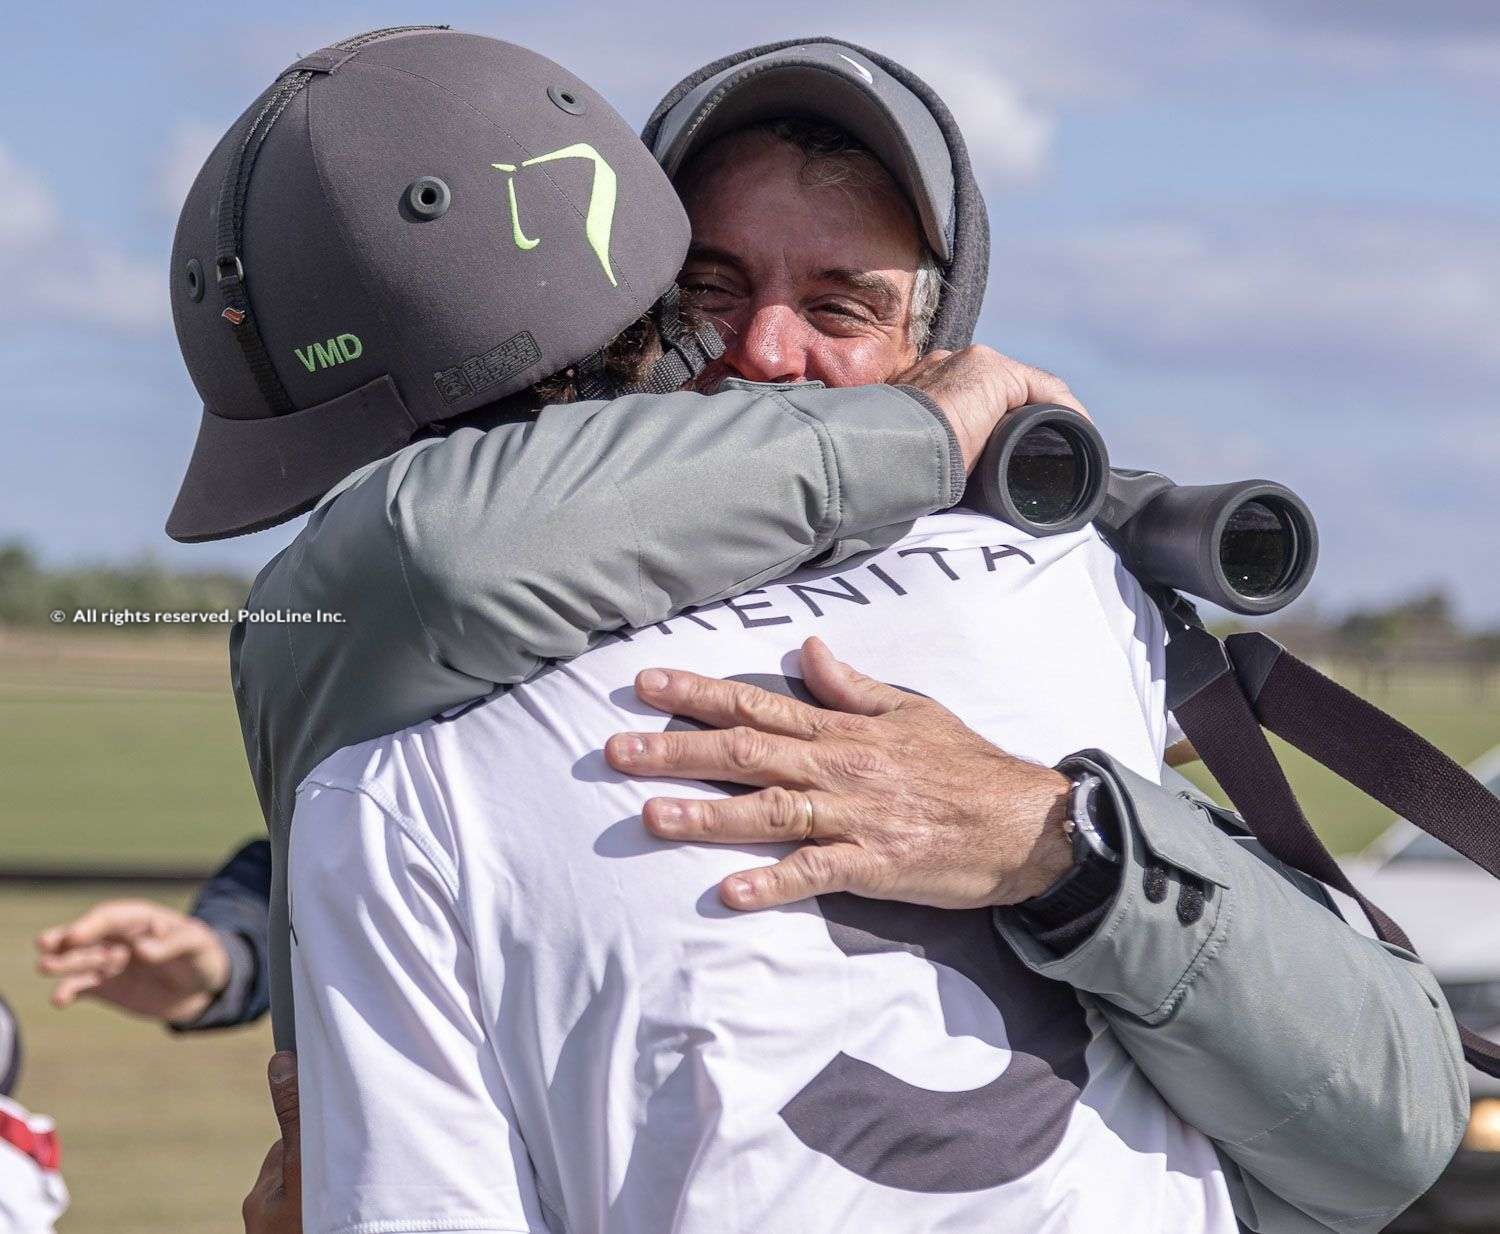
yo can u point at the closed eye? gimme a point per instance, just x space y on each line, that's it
856 312
841 317
707 289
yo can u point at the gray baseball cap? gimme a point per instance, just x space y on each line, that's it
406 226
836 83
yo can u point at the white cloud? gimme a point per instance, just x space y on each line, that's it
109 289
1343 292
1009 136
53 271
30 212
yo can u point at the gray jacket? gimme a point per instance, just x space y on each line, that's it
1324 1065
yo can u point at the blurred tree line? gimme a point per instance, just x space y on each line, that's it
1418 635
29 592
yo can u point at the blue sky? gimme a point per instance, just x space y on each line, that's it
1258 237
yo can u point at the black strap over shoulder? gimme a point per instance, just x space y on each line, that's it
1227 695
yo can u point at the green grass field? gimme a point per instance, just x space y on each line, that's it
1460 721
123 749
126 750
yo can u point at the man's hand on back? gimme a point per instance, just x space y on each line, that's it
975 387
907 802
143 957
274 1202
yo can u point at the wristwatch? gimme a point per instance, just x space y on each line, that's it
1093 829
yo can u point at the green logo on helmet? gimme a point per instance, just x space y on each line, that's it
337 350
598 221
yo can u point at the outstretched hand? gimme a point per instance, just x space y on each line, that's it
893 796
144 958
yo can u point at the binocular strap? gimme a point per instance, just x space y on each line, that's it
1227 695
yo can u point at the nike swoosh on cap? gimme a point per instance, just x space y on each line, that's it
860 69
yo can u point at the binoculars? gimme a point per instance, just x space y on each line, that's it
1248 546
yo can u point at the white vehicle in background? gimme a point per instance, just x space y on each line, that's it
1451 910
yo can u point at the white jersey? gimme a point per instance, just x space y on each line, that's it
517 1011
32 1194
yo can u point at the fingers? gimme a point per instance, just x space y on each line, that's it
813 870
846 689
257 1210
1045 387
1030 384
275 1201
113 919
725 704
70 989
268 1180
107 958
772 816
281 1074
281 1077
740 755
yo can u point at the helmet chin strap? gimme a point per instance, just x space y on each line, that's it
685 354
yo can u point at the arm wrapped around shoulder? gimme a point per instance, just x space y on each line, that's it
464 563
523 545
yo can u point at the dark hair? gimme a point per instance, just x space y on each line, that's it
627 362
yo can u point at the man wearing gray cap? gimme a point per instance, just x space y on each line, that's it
1214 1034
805 92
1201 860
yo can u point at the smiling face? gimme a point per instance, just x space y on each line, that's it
806 266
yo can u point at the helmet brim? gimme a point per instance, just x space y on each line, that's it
247 475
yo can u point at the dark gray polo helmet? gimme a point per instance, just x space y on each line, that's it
406 226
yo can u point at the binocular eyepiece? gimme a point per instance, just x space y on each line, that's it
1249 546
1045 470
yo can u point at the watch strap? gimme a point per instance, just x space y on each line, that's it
1090 884
1093 879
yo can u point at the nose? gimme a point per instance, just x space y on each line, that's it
769 346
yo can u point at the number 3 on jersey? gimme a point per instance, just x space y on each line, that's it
917 1139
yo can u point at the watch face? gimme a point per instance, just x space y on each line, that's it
1086 835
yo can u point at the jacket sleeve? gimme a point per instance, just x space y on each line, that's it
469 562
235 903
1324 1064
